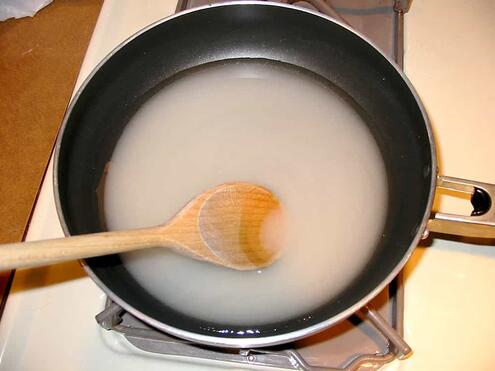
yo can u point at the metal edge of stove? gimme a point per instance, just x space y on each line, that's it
154 341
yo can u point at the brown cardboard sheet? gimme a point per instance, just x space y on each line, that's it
40 58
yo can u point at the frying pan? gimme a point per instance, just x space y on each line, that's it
387 102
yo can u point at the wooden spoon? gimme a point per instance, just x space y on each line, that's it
223 226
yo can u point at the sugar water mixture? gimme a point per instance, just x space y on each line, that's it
268 124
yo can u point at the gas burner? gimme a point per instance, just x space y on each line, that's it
381 21
371 337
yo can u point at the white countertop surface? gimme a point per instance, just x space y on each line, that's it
450 294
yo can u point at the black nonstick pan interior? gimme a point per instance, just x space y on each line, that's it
278 33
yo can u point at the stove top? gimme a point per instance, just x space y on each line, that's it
48 321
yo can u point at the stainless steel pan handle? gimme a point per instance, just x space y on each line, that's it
481 223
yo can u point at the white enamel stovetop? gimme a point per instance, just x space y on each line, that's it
48 323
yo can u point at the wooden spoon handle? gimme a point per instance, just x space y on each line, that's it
37 253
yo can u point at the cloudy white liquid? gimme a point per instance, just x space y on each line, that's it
262 123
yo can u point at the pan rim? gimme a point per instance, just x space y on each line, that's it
272 339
